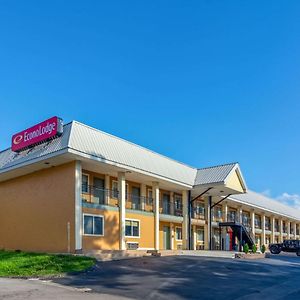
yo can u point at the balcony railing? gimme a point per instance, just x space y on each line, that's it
169 208
198 214
217 216
232 218
268 227
257 224
139 202
92 194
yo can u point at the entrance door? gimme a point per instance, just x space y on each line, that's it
166 204
98 191
135 199
167 237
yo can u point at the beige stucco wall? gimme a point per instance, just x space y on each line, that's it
35 210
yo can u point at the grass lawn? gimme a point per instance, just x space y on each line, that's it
41 264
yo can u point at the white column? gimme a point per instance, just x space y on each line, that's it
206 226
295 229
172 203
240 215
288 229
143 195
172 235
185 223
122 208
225 211
253 222
280 230
224 230
78 208
155 192
194 237
107 188
263 225
273 229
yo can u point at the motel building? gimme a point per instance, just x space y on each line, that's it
73 188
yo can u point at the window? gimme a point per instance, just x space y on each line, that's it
178 233
166 208
92 225
218 212
178 202
149 199
85 183
232 216
200 235
284 229
267 223
200 208
246 219
257 221
114 189
276 225
132 228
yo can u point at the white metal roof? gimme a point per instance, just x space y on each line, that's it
260 201
214 174
108 148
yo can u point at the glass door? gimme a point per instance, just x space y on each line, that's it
98 191
135 197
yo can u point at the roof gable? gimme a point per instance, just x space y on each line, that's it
215 174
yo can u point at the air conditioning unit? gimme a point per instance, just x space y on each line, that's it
132 246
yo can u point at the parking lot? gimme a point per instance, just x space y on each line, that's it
175 277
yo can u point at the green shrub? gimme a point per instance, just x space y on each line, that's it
246 248
254 248
263 249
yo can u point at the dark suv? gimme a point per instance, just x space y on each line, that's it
286 246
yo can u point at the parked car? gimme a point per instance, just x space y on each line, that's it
286 246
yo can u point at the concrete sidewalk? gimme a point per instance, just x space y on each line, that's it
20 289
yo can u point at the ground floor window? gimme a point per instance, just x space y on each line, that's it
178 233
268 239
200 238
257 240
132 228
93 225
200 235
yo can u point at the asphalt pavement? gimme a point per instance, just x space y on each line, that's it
173 277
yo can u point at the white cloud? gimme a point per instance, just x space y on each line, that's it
292 200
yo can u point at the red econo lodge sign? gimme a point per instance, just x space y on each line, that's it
37 134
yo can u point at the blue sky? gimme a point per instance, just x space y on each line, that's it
204 82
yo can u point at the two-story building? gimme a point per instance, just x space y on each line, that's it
87 190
